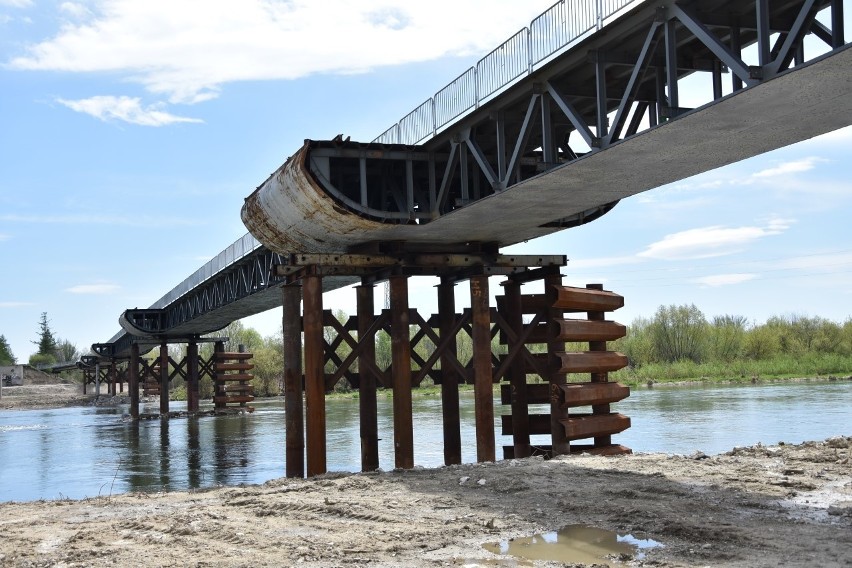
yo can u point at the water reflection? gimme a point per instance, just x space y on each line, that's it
576 544
86 451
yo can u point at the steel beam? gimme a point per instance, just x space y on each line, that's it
573 116
133 381
192 377
517 374
164 379
293 404
367 404
403 427
314 375
482 383
449 376
720 50
559 439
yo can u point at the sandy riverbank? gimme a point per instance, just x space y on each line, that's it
763 506
54 395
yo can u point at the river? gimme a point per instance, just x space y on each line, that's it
87 451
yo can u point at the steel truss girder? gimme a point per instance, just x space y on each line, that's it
469 161
252 274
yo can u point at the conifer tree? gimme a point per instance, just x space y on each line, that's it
46 341
6 356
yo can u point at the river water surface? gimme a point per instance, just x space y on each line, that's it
87 451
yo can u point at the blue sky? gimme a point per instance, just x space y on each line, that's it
130 133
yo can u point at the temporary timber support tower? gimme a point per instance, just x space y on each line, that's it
531 375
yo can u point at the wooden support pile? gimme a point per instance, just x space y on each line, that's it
549 327
232 380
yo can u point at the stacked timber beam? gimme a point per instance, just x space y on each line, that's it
232 386
579 410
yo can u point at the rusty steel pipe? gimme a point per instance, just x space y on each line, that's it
164 379
291 337
449 376
192 387
482 375
314 374
403 425
132 379
367 404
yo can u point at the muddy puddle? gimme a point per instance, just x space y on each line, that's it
574 544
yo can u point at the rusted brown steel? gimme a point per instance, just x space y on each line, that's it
232 381
586 299
516 373
192 383
314 374
593 331
367 404
403 427
552 286
433 263
449 375
597 345
579 426
482 372
591 362
293 404
164 378
585 394
133 380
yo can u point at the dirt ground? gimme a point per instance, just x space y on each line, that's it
53 395
785 505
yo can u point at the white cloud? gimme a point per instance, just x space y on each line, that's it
723 279
93 289
15 304
74 9
187 50
787 168
707 242
126 109
16 3
4 237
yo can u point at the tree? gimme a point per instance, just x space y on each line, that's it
6 356
727 337
67 351
46 341
679 333
39 360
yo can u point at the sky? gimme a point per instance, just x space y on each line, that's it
131 132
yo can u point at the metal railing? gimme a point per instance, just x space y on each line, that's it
242 247
555 29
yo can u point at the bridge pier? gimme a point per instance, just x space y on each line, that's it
192 378
367 404
293 403
314 374
449 375
164 378
332 348
133 380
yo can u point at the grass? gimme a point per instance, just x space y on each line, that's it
814 365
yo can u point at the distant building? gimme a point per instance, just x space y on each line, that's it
12 375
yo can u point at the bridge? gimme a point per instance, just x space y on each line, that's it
578 110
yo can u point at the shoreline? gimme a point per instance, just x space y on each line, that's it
749 507
67 395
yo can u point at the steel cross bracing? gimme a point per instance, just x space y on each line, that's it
607 87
